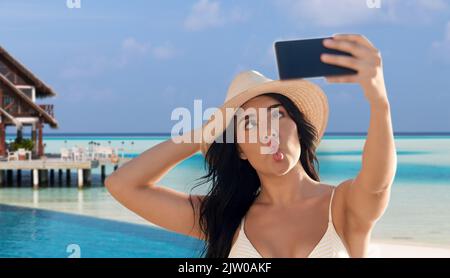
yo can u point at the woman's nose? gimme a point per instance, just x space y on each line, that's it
268 139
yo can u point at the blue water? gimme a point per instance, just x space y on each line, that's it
40 233
418 212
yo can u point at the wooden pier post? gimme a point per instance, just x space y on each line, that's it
31 177
19 178
103 172
35 178
67 177
2 177
59 177
9 178
52 177
80 178
87 176
43 177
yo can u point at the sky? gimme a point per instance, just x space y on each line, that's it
124 66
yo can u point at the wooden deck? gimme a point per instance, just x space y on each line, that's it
47 164
41 167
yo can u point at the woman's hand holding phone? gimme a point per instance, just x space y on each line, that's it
366 60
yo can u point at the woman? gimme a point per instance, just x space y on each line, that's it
273 204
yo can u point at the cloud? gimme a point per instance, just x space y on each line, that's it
414 11
164 52
89 66
80 92
131 50
132 45
331 13
440 50
208 14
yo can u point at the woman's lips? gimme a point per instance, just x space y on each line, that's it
277 154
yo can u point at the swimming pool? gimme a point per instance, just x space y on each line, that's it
37 233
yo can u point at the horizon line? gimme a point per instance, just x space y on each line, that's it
168 133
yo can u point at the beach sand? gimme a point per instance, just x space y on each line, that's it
380 249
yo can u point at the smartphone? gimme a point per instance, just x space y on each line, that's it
301 59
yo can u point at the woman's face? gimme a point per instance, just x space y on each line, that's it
249 125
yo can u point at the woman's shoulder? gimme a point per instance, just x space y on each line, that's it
338 201
339 188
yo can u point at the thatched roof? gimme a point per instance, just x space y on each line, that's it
42 90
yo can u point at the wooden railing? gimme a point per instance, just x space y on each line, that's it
47 108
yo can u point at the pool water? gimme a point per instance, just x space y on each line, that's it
37 233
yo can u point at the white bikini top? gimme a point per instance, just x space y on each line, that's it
329 246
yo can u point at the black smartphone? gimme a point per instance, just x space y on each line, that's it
301 59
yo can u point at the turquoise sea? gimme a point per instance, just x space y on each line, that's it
419 209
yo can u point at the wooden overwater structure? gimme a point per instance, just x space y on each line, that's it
19 90
43 170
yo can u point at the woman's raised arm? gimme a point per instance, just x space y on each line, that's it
135 185
368 194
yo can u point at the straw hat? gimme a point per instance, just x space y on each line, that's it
307 96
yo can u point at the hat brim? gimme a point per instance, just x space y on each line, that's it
307 96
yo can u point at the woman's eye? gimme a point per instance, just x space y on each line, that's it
250 124
277 114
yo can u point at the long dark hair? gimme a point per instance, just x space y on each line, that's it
235 183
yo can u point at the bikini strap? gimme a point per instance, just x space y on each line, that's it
330 218
242 224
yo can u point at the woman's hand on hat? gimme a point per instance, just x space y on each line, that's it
366 61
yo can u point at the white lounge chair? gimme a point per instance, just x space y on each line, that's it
24 152
78 153
65 154
102 152
13 155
